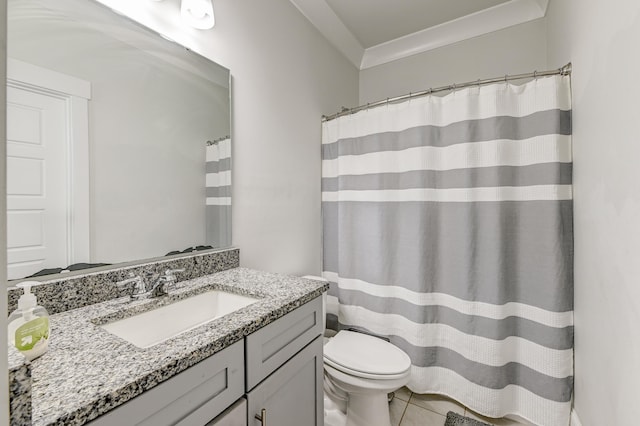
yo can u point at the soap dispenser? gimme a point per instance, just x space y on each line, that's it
29 324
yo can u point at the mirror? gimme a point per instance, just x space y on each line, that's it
118 145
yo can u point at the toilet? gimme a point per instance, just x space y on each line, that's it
360 370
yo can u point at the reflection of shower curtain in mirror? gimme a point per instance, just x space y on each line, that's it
218 197
448 229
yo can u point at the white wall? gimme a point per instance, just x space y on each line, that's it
601 39
285 76
4 380
514 50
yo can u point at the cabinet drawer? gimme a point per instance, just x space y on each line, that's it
193 397
271 346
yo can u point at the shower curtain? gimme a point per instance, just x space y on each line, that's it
447 228
218 193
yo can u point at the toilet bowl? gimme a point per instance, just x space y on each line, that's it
365 369
360 370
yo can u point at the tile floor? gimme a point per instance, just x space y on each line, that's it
412 409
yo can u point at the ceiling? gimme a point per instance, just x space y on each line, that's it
386 20
374 32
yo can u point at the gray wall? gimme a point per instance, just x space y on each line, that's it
601 39
517 49
285 76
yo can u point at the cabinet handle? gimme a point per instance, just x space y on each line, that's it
262 417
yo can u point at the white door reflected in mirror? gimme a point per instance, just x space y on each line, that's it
42 133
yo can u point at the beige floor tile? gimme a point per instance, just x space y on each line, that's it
496 422
403 394
396 410
416 416
437 403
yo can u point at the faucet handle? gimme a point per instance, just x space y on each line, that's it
131 278
167 281
137 289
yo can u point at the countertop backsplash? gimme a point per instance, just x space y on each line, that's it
76 291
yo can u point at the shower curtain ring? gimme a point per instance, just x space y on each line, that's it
535 75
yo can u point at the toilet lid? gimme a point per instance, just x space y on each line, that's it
367 354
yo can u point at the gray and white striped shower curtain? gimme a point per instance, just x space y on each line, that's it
218 196
448 228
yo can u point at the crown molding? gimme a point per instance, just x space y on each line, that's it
476 24
320 14
504 15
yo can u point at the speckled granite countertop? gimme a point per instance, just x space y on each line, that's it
88 371
19 388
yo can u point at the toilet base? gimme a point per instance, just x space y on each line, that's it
333 416
370 409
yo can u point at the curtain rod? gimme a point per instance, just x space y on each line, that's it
566 70
214 142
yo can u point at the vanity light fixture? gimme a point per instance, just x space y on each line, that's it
198 13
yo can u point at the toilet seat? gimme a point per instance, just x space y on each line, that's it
364 375
366 356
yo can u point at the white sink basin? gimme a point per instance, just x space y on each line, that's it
152 327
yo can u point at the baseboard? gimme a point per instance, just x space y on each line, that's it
575 420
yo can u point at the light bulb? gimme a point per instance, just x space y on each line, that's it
198 13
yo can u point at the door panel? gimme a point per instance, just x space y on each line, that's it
292 395
28 176
37 198
26 124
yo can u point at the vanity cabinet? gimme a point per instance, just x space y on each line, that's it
277 369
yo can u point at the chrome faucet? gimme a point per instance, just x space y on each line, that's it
164 283
160 287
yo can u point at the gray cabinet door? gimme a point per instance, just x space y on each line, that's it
292 395
236 415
